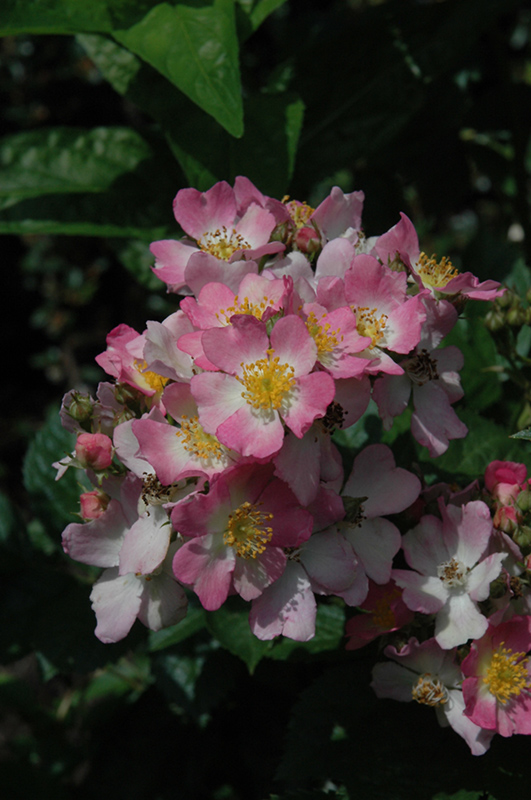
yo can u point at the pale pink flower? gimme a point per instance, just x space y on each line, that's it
450 574
236 534
262 383
155 598
430 676
497 685
431 375
401 244
223 244
384 611
383 488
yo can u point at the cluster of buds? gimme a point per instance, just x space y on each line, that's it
509 312
212 456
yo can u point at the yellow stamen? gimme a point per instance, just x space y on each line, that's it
325 339
452 573
300 213
222 243
433 274
266 382
507 674
429 690
244 307
247 532
200 444
368 324
153 379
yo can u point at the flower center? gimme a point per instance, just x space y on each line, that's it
452 573
334 417
154 493
247 532
433 274
429 690
299 212
266 381
368 324
244 307
204 446
222 243
383 615
507 674
325 339
153 379
421 368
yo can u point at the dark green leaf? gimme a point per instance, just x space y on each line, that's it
57 501
329 634
53 16
230 626
197 50
192 623
65 160
484 443
525 434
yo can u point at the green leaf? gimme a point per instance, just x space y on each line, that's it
262 9
64 160
266 154
480 383
197 50
193 622
329 633
53 16
57 501
484 443
230 626
525 434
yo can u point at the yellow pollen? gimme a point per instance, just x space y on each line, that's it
507 674
429 690
244 307
383 615
368 324
153 379
433 274
247 532
325 339
266 382
300 213
222 243
200 444
452 573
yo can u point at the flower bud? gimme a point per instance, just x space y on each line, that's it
506 299
307 240
494 320
523 501
505 519
516 317
80 407
93 504
94 450
522 537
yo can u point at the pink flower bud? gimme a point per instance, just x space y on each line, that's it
93 504
94 450
307 240
506 519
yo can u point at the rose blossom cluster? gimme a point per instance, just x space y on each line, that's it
211 455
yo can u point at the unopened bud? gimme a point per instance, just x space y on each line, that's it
307 240
506 299
93 504
80 407
523 501
522 537
94 451
494 320
505 519
516 317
